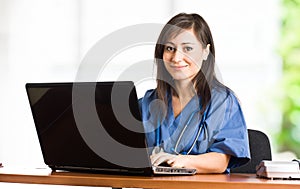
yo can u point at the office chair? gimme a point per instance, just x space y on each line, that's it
260 149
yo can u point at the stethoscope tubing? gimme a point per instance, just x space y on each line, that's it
183 131
197 136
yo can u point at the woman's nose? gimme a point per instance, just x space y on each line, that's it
177 56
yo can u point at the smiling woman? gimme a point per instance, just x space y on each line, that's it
192 119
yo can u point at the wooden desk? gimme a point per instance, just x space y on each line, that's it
211 181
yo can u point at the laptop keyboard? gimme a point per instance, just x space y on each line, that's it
173 170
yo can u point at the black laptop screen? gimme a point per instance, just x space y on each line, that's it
104 107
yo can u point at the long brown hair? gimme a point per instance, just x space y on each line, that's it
206 78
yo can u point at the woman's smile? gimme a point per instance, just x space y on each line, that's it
178 67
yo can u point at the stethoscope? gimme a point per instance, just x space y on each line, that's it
182 133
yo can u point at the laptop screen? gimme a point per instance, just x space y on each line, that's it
90 126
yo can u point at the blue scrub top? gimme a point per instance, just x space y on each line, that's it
224 129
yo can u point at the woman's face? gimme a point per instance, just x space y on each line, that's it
183 55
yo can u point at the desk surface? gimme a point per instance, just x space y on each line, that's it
230 181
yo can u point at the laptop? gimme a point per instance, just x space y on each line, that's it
92 127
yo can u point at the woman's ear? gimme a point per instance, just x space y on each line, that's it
206 52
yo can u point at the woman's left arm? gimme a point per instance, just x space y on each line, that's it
212 162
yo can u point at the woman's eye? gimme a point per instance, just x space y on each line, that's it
188 48
169 48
